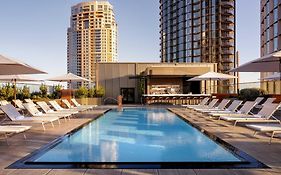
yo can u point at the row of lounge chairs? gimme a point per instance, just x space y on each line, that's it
236 112
17 121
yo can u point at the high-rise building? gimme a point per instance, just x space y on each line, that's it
92 38
270 35
198 31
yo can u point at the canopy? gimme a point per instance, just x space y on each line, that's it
17 78
70 77
11 67
268 63
212 76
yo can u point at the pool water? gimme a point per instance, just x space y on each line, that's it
138 135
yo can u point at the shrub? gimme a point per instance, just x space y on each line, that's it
23 93
81 92
35 95
7 92
100 92
43 90
57 92
91 92
250 93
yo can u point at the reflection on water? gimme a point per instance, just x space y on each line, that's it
137 135
160 117
109 151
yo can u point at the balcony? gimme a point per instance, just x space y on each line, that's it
227 43
227 60
227 3
227 27
227 52
227 36
227 12
227 20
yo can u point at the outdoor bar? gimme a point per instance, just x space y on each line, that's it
175 99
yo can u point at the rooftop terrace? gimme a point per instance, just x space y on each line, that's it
240 137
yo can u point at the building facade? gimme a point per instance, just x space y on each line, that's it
92 38
131 80
198 31
270 36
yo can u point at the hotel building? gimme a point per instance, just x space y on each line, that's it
91 38
198 31
270 36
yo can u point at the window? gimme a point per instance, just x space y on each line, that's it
275 15
267 35
196 52
267 7
275 3
267 48
275 29
196 59
275 44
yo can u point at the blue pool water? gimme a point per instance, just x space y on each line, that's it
138 135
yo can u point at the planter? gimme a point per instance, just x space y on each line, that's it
89 101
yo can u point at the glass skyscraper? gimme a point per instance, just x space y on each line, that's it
270 37
198 31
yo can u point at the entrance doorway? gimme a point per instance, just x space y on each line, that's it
193 87
128 95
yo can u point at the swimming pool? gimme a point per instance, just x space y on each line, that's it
138 137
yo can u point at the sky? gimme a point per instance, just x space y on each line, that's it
34 31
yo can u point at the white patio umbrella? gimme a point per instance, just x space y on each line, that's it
70 77
10 66
17 78
212 76
268 63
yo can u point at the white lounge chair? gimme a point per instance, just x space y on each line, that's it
244 110
267 101
202 103
6 130
259 100
266 128
44 106
18 104
57 107
209 106
36 113
28 100
4 102
16 117
232 108
263 116
220 107
69 106
76 104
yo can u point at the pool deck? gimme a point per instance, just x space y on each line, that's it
240 137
